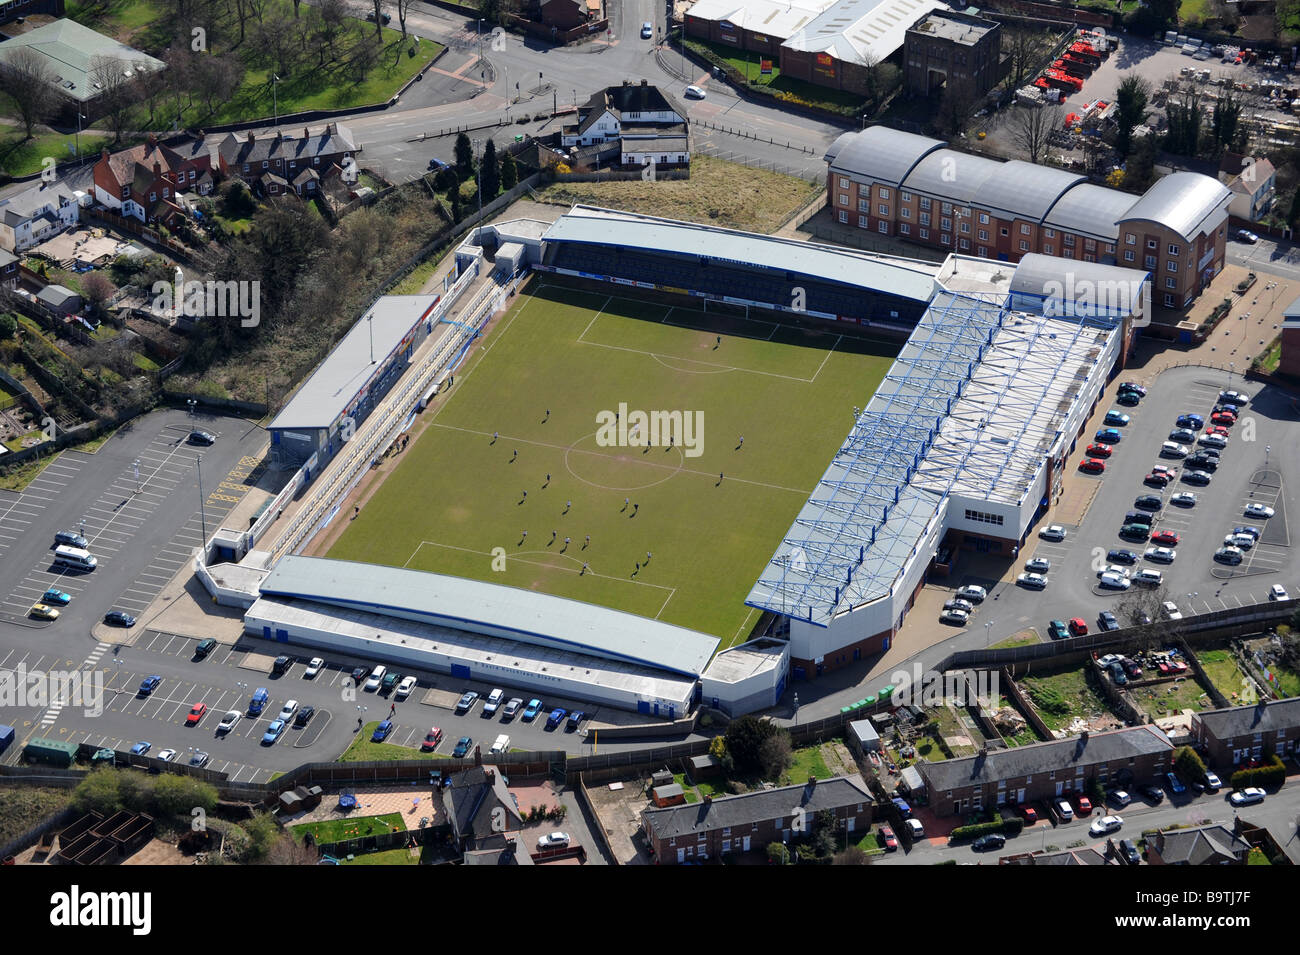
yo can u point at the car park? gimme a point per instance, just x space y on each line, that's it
1172 449
286 712
273 732
376 677
1247 797
1255 509
954 616
531 710
431 740
1128 852
405 687
1183 499
1107 622
1105 825
1032 581
1278 592
196 713
1092 466
1148 502
1192 421
1052 532
885 836
973 593
1175 784
462 747
119 618
511 708
228 722
1229 555
1038 565
1099 451
1058 630
314 666
1078 626
1200 478
382 731
305 713
553 840
466 701
1107 436
990 840
1122 556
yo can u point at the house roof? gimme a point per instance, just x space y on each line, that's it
72 52
1261 174
1181 201
1234 721
135 166
56 295
880 153
628 98
1201 846
30 203
864 32
1116 746
472 799
1091 210
266 146
1083 856
757 806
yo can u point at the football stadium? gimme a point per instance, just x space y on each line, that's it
684 465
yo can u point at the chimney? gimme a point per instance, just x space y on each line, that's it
153 140
478 756
305 134
708 800
490 774
645 82
103 154
157 168
251 138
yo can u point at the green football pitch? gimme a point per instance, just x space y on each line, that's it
518 446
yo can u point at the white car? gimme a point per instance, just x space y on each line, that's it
1105 824
167 755
1235 397
1278 592
287 711
647 30
1032 581
1065 809
1119 797
1107 659
1239 541
1212 782
1119 569
959 617
1171 610
313 668
376 677
1246 797
973 593
553 840
1052 532
228 722
1212 441
1258 510
1115 582
1164 555
493 701
1172 449
1038 565
405 687
1149 577
694 92
1183 499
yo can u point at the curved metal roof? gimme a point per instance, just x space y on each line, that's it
1091 210
1024 190
951 175
879 153
1181 201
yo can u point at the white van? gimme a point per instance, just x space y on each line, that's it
74 557
502 745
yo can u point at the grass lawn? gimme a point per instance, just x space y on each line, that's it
334 830
1257 857
1193 11
687 788
363 750
718 193
1018 640
748 64
578 353
387 857
20 156
414 283
1222 669
145 363
808 761
1074 691
1271 357
25 806
1288 681
1165 699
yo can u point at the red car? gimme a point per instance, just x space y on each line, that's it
431 739
1162 469
1078 627
1177 666
1165 537
1085 805
1157 478
1030 815
1223 417
196 714
1099 450
1218 429
887 838
1092 465
1163 667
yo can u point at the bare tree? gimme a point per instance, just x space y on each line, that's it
379 17
29 82
333 17
276 43
216 78
1023 48
97 289
403 8
179 76
113 80
1032 129
954 108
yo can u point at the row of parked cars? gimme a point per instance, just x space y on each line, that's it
496 702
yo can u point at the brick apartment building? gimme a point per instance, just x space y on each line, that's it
1135 754
893 183
143 182
945 46
276 164
745 823
1237 734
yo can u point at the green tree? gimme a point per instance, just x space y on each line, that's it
824 837
99 791
456 212
1189 764
778 854
1130 108
1223 121
262 833
776 754
509 172
464 156
8 326
180 795
851 855
490 171
745 738
717 747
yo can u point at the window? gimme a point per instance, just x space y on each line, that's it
1004 231
1049 233
844 200
925 203
862 222
1090 245
1089 257
844 182
844 216
1171 282
905 196
965 228
1110 247
984 218
126 192
1068 240
1149 261
884 193
946 208
864 205
925 234
1173 249
193 174
153 196
1129 255
1130 239
882 226
983 252
983 235
265 164
1152 244
945 223
905 212
965 243
1171 265
1024 229
882 209
316 160
1048 249
945 239
1067 253
904 229
925 218
983 518
1169 300
1024 246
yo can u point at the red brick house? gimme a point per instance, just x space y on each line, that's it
142 182
279 164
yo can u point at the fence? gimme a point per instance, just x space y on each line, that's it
744 134
730 156
32 836
137 228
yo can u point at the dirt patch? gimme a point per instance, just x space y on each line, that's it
839 760
618 812
157 852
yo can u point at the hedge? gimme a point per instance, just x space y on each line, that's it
1010 827
1274 774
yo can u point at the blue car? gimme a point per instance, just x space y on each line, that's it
1115 416
532 709
1193 421
149 684
56 596
462 747
1129 399
901 805
1108 436
258 702
273 732
140 748
382 731
556 717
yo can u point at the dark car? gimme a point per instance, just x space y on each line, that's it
206 646
1138 532
1154 793
901 805
1203 462
359 675
462 746
382 731
119 618
203 438
1193 421
304 716
1199 478
992 840
556 717
1128 852
436 164
1128 398
1122 556
1148 502
576 717
1134 387
466 702
149 684
1106 620
70 539
280 665
1156 479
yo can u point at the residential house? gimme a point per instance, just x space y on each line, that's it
892 183
565 14
1253 185
748 822
60 300
1206 845
143 182
277 164
30 217
1237 734
12 10
8 269
632 125
498 849
1088 855
1041 771
477 805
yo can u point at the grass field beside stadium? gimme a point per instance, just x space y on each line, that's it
456 494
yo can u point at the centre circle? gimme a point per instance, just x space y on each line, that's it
625 468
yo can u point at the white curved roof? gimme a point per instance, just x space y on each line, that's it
861 31
954 175
1090 209
1024 190
1181 201
879 153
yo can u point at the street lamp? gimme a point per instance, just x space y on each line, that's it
988 637
478 170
